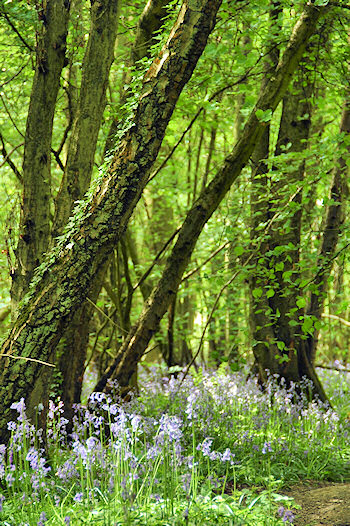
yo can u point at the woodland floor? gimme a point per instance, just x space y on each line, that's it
322 504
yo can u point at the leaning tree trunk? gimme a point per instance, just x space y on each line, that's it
64 279
34 228
98 59
203 208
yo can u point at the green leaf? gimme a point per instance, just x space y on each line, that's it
301 303
281 345
257 293
264 116
239 250
270 293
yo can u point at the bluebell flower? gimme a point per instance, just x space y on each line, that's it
42 519
205 446
78 497
266 448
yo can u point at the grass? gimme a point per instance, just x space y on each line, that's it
215 449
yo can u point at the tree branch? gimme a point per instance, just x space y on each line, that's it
13 27
7 158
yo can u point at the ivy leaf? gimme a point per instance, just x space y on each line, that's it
281 345
239 250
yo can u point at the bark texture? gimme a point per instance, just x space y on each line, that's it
150 22
64 280
82 146
97 62
35 209
88 114
206 204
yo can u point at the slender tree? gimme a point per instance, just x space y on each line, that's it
34 225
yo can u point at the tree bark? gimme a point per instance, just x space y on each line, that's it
333 225
97 62
96 66
64 280
150 22
208 201
35 210
98 58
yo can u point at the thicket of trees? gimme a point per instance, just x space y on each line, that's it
174 185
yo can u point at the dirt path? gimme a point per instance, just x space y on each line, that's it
325 504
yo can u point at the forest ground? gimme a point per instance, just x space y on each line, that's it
322 504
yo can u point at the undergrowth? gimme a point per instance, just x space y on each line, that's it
210 449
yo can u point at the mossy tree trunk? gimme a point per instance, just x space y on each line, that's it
98 58
66 277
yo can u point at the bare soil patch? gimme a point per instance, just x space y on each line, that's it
324 504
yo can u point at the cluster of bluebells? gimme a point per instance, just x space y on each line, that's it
286 515
124 449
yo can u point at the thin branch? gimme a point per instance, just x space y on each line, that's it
333 368
27 359
58 160
149 270
105 315
334 317
212 255
101 328
8 160
10 116
13 27
14 76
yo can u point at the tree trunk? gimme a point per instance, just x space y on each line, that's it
206 204
284 327
334 221
34 225
67 274
96 66
150 22
97 62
